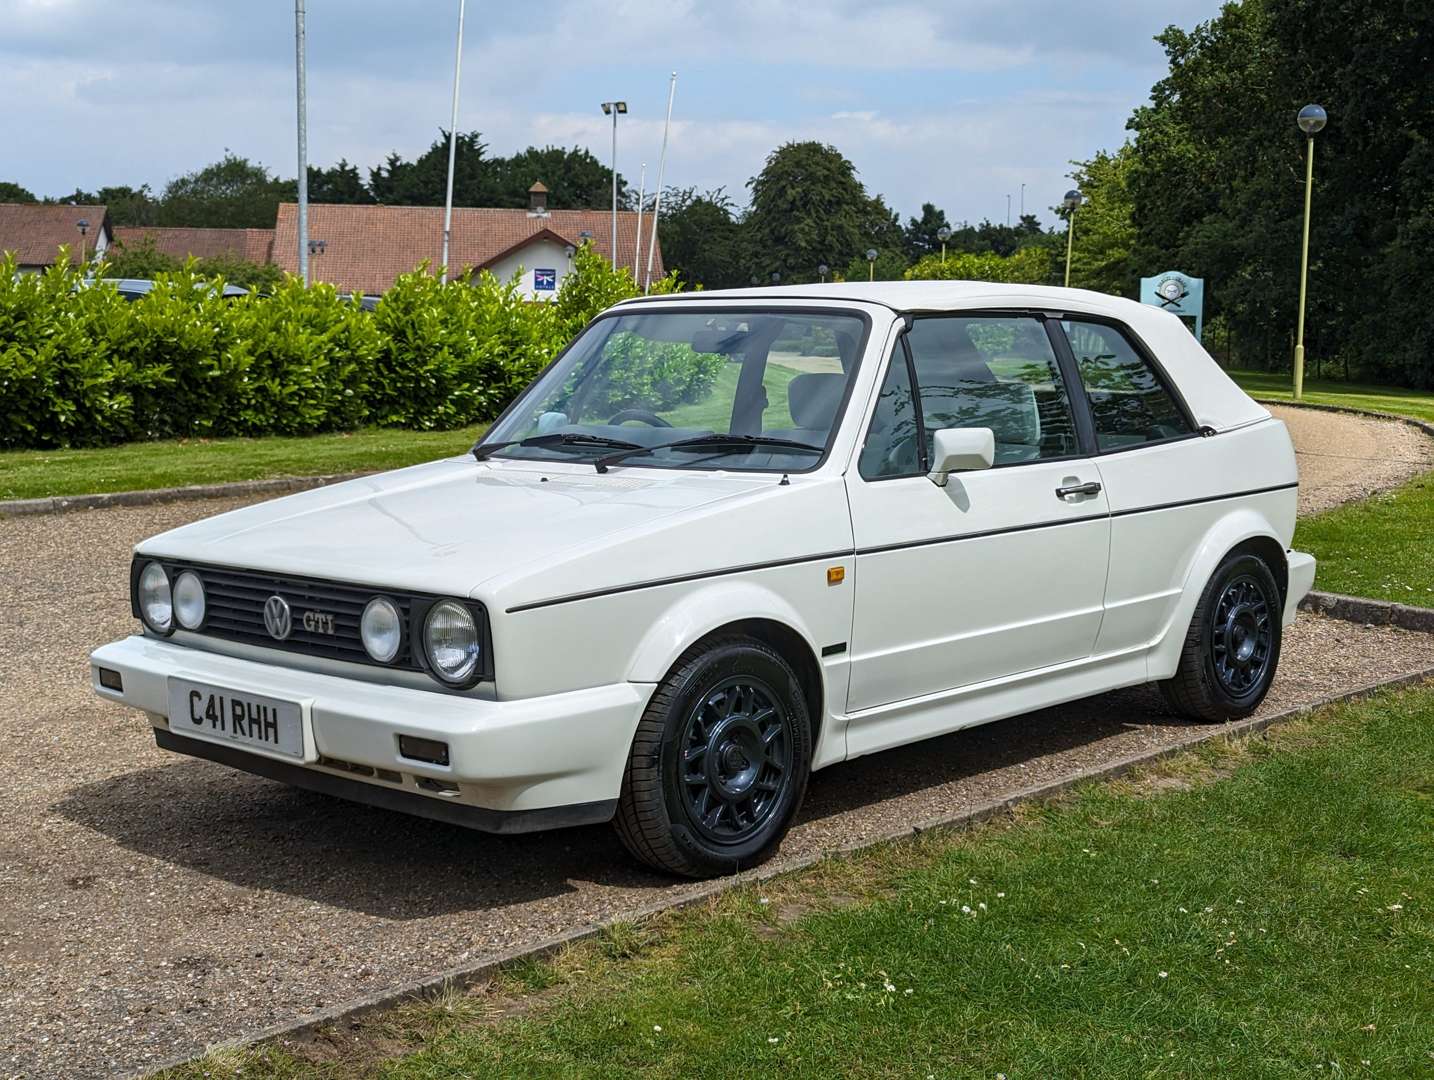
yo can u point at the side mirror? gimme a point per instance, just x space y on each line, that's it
961 450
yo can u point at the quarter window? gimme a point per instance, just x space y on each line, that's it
996 372
1128 402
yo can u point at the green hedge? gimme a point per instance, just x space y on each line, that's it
80 366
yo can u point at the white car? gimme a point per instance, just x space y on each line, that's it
729 538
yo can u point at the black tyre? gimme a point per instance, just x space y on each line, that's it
1233 645
720 763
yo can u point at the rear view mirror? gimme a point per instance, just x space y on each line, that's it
961 450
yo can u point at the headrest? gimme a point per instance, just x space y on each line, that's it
813 398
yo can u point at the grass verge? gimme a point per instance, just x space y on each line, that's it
33 474
1274 386
1252 908
1381 547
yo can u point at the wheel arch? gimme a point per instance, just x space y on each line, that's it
1244 529
749 610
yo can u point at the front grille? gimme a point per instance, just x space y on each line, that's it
235 611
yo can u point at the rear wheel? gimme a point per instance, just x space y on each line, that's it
720 762
1233 645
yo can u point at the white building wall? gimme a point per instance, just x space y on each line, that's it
541 255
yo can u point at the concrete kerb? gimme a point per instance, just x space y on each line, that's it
282 485
465 976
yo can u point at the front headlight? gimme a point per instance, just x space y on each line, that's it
156 605
189 600
381 629
452 642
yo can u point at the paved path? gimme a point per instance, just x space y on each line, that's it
153 904
1344 457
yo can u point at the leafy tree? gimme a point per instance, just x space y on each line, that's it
339 183
702 238
232 193
921 238
1218 177
13 193
574 178
1102 256
422 182
809 208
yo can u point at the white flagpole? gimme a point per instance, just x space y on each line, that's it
452 149
303 104
657 201
637 245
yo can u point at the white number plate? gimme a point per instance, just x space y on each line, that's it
236 716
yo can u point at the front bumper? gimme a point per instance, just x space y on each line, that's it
514 766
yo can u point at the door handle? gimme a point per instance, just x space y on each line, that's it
1090 487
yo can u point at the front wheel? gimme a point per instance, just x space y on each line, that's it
720 762
1232 648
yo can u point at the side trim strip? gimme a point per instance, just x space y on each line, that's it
833 650
677 580
904 544
1205 499
883 548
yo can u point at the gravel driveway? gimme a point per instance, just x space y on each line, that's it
154 904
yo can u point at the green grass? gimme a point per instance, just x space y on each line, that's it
29 474
1250 909
1418 404
1381 547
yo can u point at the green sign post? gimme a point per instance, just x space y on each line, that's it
1180 294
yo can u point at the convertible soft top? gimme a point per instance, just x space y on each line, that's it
1213 396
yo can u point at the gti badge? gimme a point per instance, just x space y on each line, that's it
276 617
318 622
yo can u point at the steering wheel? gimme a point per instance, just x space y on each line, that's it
638 414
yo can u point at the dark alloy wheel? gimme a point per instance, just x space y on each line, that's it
1231 650
736 759
1241 638
720 762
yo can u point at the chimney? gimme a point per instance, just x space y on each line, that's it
538 200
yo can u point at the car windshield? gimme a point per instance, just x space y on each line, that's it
754 390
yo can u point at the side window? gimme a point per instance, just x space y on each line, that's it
892 446
1127 400
997 372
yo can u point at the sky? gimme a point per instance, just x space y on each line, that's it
957 103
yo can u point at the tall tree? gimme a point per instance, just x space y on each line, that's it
574 178
702 239
1218 179
1103 254
233 193
422 182
339 183
809 208
13 193
921 238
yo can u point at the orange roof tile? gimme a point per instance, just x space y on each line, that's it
35 231
367 247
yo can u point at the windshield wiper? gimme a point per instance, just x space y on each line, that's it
720 443
556 439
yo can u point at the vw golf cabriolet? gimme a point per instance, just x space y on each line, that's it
729 538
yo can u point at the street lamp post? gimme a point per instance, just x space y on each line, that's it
614 109
1311 120
823 270
871 264
943 234
83 225
776 277
1071 202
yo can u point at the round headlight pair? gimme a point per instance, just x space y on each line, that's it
381 629
162 605
452 642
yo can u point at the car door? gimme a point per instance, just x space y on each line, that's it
1157 474
1001 571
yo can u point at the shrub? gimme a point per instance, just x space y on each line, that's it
80 366
1027 266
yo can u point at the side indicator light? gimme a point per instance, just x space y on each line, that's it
836 575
